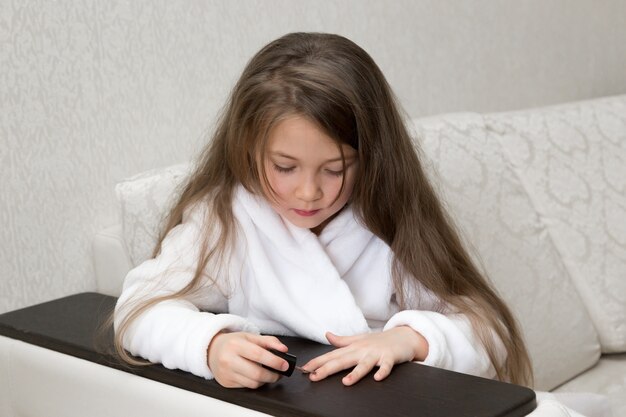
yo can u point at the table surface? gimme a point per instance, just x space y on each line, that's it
73 325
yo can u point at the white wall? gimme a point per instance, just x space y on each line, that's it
94 91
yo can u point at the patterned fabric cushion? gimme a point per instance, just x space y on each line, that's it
572 162
145 199
487 201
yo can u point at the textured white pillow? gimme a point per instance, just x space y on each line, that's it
572 161
145 200
487 201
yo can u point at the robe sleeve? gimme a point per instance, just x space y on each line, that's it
452 342
176 332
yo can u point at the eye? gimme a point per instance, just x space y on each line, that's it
335 173
284 170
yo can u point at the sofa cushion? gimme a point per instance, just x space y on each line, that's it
607 377
572 161
144 200
496 216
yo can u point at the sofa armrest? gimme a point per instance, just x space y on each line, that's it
49 383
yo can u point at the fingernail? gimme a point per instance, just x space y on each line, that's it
303 370
285 366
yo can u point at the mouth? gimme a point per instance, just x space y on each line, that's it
305 213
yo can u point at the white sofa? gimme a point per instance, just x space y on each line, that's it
540 197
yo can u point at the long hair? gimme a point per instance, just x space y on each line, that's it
334 83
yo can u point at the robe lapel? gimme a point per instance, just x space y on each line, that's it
292 283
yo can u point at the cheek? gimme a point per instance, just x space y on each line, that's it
279 183
334 187
333 190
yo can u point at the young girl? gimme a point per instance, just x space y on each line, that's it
309 214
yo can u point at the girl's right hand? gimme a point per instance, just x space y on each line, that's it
236 358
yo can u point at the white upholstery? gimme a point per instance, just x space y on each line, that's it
488 202
5 382
607 377
111 260
40 382
572 159
571 405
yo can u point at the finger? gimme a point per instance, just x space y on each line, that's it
333 366
384 371
342 341
321 360
359 371
268 342
252 384
238 381
262 356
253 371
245 382
246 374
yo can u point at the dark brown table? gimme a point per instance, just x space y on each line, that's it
70 325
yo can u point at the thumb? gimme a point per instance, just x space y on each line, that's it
339 341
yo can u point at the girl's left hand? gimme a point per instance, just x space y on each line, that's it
365 351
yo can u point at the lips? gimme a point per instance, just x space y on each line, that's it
305 213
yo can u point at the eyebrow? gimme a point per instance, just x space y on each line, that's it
284 155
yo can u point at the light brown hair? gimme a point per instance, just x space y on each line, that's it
336 84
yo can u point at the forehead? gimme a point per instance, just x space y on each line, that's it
302 139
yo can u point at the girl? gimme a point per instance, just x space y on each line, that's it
309 214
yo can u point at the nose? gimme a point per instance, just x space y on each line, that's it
309 189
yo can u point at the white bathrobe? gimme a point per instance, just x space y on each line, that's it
284 280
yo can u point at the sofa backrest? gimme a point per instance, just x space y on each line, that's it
503 231
572 161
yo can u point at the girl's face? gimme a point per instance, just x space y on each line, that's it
303 167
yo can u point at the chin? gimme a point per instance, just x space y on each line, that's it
306 225
303 223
